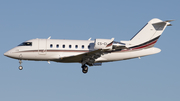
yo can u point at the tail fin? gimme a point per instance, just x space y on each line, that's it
149 34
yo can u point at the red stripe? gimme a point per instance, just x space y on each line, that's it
109 44
142 46
146 45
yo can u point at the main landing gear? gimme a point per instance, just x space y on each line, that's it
20 67
84 69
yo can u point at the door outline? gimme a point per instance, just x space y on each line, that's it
42 46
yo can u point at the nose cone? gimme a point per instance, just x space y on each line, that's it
7 54
12 53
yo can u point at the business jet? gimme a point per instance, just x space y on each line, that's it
91 52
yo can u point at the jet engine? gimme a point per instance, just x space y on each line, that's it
118 45
103 43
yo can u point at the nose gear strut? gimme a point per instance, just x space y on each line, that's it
20 67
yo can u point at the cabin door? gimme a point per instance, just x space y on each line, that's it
42 46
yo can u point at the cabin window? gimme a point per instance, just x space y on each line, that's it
89 47
63 46
76 46
82 46
26 44
69 46
57 46
51 45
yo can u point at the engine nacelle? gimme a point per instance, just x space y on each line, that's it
118 45
103 43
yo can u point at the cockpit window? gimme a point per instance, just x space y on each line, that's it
26 44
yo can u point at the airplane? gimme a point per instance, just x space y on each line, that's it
91 52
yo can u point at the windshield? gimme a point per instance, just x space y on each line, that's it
26 44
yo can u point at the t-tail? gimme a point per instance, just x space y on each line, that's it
148 35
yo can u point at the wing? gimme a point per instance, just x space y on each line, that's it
101 46
85 58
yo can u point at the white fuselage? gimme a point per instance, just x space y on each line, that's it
55 49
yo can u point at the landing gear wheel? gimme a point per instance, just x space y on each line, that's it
84 69
20 67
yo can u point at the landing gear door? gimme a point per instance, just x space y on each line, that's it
42 46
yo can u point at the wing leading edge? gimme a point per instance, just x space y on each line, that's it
85 58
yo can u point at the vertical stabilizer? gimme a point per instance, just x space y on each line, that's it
149 34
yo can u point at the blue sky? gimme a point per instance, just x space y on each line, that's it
151 78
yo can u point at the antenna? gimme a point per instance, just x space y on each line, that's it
89 39
49 37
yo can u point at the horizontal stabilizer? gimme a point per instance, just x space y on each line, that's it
168 20
164 22
169 23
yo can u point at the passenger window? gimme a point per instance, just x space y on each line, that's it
69 46
89 47
51 45
76 46
82 46
57 46
63 46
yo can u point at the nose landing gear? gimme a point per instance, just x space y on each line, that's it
20 67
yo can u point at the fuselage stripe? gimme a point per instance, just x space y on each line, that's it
148 42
